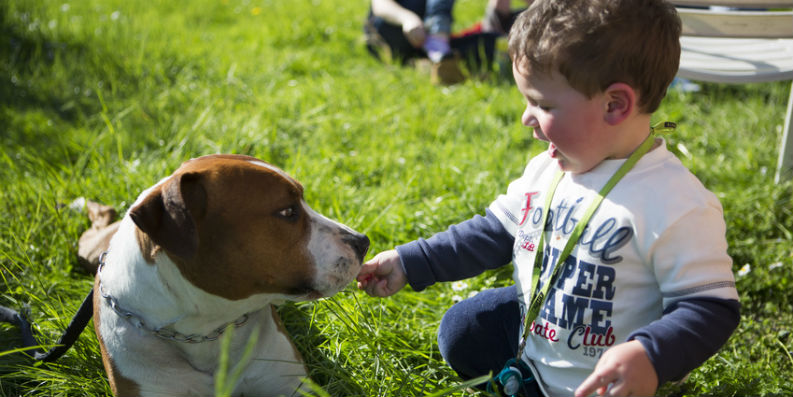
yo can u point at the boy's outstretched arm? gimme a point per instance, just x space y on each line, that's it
464 250
382 275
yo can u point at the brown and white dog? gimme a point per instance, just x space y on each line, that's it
212 246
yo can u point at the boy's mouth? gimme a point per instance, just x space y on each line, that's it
553 151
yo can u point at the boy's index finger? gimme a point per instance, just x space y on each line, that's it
592 384
367 269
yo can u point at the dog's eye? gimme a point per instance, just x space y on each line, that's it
288 212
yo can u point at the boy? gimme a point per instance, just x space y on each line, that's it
644 293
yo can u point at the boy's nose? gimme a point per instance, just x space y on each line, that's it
528 118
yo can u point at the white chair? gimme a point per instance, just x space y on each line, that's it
741 41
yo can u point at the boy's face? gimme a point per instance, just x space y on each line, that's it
572 123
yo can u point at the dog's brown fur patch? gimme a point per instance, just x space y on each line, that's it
229 237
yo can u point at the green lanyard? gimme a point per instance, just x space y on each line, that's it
538 298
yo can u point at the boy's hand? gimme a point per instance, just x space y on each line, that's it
382 275
624 370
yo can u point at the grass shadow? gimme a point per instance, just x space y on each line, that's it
55 80
27 56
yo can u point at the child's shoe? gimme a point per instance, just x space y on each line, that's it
447 71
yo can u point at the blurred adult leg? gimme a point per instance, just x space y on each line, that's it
438 17
380 32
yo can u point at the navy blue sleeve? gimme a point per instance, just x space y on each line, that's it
464 250
689 332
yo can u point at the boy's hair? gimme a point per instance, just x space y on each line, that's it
595 43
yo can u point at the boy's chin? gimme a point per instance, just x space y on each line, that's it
572 168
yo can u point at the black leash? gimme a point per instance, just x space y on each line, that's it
73 331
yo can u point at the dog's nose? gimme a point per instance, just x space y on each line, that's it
359 243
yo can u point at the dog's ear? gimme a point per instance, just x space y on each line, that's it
169 213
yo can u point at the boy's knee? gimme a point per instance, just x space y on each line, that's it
455 338
475 335
451 331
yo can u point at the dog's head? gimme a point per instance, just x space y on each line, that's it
236 226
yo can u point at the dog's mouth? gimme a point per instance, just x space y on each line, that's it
304 292
328 281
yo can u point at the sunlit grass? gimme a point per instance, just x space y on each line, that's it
102 98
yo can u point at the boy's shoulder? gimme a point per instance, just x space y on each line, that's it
663 172
662 192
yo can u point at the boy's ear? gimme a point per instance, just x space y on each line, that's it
621 102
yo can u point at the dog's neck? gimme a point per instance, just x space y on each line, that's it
160 296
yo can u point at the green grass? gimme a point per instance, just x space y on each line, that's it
102 98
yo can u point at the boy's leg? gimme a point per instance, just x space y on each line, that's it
479 334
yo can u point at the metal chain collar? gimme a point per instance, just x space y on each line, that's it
162 332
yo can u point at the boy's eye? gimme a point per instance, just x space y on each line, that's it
542 107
